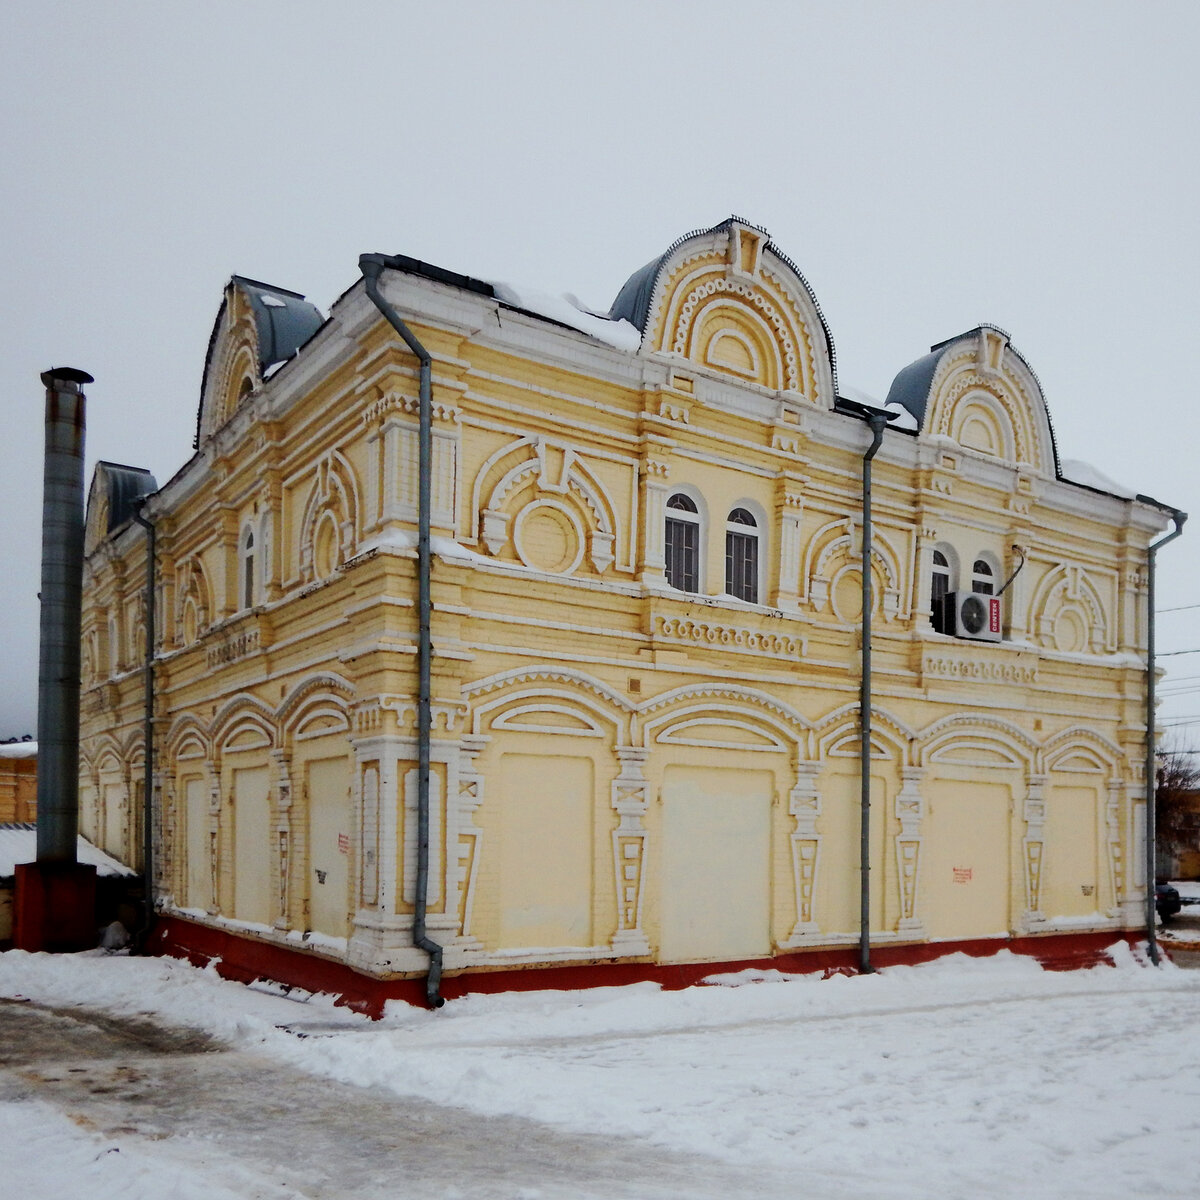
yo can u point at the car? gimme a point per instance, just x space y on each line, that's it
1166 901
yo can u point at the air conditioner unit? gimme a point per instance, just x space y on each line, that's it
974 616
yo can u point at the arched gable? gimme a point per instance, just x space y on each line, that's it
976 741
318 705
724 716
730 302
978 391
1080 749
838 735
244 723
548 701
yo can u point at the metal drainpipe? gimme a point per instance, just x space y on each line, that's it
1151 775
878 423
371 266
139 940
61 597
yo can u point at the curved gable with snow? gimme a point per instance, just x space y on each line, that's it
728 301
978 391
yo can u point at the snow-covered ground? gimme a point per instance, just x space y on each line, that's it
961 1078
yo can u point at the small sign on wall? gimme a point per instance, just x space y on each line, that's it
963 874
343 843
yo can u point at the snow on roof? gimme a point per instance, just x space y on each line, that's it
18 844
1077 471
567 310
18 750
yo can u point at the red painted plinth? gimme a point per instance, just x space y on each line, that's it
246 958
54 907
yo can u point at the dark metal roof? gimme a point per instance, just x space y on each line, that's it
285 320
127 488
633 300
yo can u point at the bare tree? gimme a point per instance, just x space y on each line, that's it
1177 802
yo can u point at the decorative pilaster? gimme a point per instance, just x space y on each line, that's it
1116 850
789 516
1033 845
283 837
655 491
629 801
470 836
910 812
214 840
804 804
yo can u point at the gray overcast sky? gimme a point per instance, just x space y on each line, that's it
927 165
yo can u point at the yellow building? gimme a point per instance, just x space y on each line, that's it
646 556
18 781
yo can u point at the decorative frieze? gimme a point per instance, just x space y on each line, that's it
947 665
233 648
730 637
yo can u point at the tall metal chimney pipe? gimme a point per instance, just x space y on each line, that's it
62 585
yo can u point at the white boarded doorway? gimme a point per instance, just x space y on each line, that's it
329 818
546 851
716 877
252 845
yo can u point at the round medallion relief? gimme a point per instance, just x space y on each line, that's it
548 537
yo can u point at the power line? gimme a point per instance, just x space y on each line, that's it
1177 608
1171 653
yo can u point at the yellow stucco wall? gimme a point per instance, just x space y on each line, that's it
621 768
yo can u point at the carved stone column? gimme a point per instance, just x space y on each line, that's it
804 804
629 801
910 812
1033 846
283 837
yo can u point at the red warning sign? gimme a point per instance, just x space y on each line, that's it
963 874
343 843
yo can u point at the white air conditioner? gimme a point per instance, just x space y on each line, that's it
973 616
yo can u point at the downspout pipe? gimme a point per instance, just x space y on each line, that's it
1151 774
61 617
372 267
877 421
139 938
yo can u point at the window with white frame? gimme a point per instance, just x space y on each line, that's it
742 555
939 588
983 578
682 549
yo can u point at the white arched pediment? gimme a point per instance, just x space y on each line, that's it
728 301
984 397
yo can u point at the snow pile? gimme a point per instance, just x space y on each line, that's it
1078 471
964 1077
18 749
566 310
18 844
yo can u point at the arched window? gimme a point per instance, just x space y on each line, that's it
741 556
983 578
248 569
683 543
939 586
